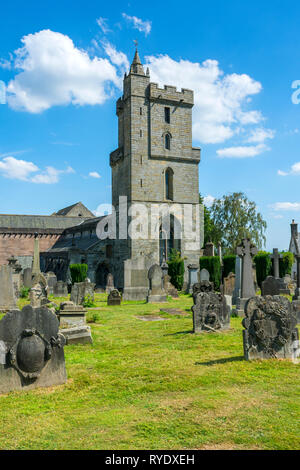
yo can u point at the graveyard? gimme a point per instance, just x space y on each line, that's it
154 384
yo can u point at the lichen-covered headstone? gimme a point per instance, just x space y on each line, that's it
270 328
210 310
31 350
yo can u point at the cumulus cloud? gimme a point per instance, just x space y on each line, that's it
221 100
13 168
142 26
242 151
295 170
118 58
94 174
208 200
260 135
286 206
54 72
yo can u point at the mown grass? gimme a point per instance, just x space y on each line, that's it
155 385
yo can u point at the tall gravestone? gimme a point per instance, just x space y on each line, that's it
210 310
193 277
109 283
36 256
276 256
156 290
238 278
27 277
270 329
296 297
246 251
7 291
32 350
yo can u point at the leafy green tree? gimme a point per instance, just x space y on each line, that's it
235 217
209 228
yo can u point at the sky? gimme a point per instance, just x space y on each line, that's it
61 69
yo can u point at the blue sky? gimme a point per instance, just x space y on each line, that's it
63 62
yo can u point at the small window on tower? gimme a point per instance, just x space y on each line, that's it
167 141
141 111
167 115
141 133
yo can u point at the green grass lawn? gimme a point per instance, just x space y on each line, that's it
155 385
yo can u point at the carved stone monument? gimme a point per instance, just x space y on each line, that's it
114 297
270 328
246 251
38 292
210 310
156 291
33 350
73 324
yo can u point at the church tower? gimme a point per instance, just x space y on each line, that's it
155 162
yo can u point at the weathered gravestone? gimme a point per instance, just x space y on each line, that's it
274 286
16 275
81 290
109 283
238 278
210 310
296 297
229 283
193 277
34 353
246 251
270 328
60 289
38 292
27 277
73 324
168 286
156 291
7 291
51 281
209 249
114 298
204 275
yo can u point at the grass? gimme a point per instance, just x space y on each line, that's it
155 385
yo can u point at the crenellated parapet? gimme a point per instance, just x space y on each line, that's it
170 93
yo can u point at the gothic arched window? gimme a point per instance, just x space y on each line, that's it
169 183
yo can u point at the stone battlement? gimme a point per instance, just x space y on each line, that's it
170 93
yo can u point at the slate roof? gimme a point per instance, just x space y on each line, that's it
36 223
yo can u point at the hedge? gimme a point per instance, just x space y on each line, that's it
213 266
78 272
176 269
228 265
263 266
286 263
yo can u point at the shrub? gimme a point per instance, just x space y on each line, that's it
213 266
286 263
88 301
92 317
263 265
78 272
176 269
24 291
228 265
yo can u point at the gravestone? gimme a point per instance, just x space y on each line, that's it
80 290
229 283
27 278
60 289
136 283
296 297
36 256
114 298
270 328
238 278
16 275
38 292
34 350
168 286
246 251
51 281
156 291
210 310
276 256
73 324
209 249
274 286
109 283
193 277
7 291
204 275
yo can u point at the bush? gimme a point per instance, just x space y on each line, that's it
286 263
176 269
263 265
92 317
78 272
88 301
24 291
213 266
228 265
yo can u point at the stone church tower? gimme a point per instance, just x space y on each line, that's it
154 164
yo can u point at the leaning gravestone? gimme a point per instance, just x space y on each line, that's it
114 297
210 310
34 350
270 328
80 290
274 286
156 291
60 289
7 291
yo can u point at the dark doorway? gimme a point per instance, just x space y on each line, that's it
101 275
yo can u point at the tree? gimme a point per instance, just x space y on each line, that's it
235 217
209 228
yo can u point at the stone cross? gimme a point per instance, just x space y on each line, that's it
246 251
276 257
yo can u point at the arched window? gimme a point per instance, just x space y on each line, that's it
167 141
168 240
169 183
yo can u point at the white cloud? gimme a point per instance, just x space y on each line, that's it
54 72
286 206
142 26
219 99
208 200
117 57
22 170
295 170
242 151
94 174
102 23
259 135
